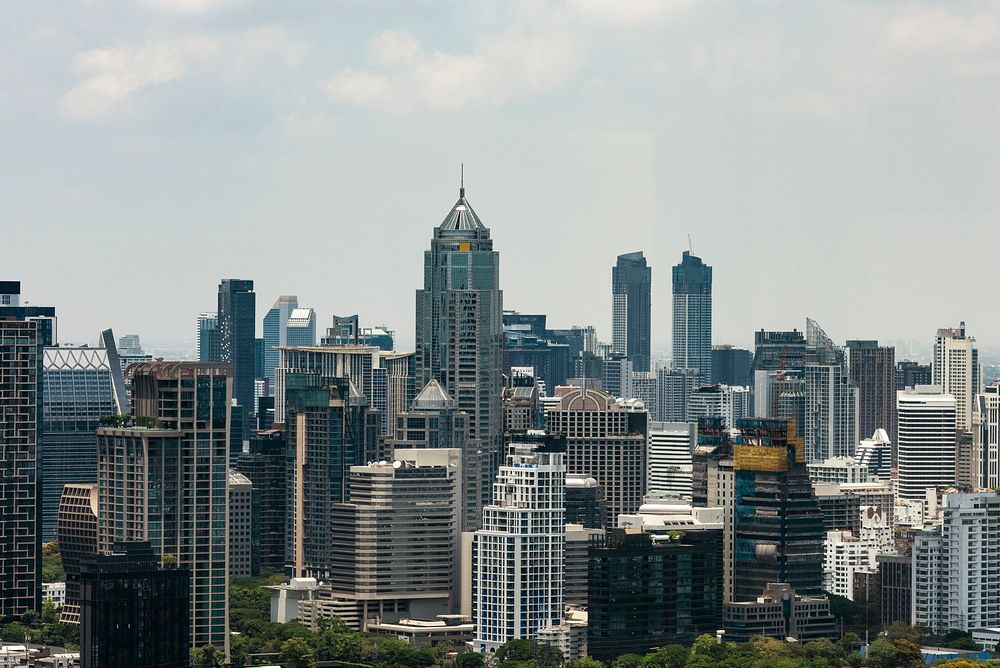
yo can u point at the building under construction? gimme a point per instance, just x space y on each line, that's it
777 520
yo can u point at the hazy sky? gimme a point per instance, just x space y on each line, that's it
832 159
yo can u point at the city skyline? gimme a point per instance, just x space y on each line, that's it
757 132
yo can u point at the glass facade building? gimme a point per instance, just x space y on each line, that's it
631 278
692 323
238 342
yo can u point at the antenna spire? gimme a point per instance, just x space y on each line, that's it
461 187
690 247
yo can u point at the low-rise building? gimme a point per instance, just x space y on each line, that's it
453 629
569 637
780 613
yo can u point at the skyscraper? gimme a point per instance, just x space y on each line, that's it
163 479
301 329
330 429
264 465
669 459
134 611
631 279
244 525
927 440
24 333
778 526
208 336
459 326
731 366
606 442
237 341
275 332
955 369
830 416
873 369
519 564
78 392
692 324
77 534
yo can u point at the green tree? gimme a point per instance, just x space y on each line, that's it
470 660
671 656
298 653
585 662
881 654
900 631
16 632
516 650
208 656
50 611
966 643
627 661
908 654
708 645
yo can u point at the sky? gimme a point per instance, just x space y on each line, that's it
837 160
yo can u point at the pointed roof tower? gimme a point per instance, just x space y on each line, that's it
461 216
433 397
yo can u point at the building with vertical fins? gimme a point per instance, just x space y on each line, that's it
79 391
777 521
459 327
692 324
163 479
77 533
829 422
276 332
631 282
955 369
24 333
872 368
519 552
238 342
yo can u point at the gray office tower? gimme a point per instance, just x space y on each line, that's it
731 366
631 279
237 341
79 390
692 328
460 327
873 369
276 333
24 332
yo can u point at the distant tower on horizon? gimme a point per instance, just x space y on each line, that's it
692 313
631 281
955 369
276 333
459 327
238 342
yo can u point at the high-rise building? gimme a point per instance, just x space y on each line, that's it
24 333
830 424
301 330
584 502
895 580
955 369
276 332
731 366
244 521
434 421
134 610
875 454
986 437
669 458
712 485
361 365
330 428
646 388
396 539
777 522
648 591
617 380
79 391
344 330
955 566
692 324
631 282
163 479
208 337
872 369
674 388
911 374
519 553
459 326
76 530
264 465
729 403
778 363
926 442
238 343
605 441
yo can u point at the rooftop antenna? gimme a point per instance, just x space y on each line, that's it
461 188
690 247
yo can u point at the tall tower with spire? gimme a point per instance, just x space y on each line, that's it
459 328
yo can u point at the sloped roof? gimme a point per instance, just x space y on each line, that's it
461 216
433 396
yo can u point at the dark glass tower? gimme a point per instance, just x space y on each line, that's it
264 464
631 277
24 332
460 327
237 340
873 369
692 326
133 612
777 521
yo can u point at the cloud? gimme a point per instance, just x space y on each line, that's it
517 62
189 7
629 12
941 31
109 77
